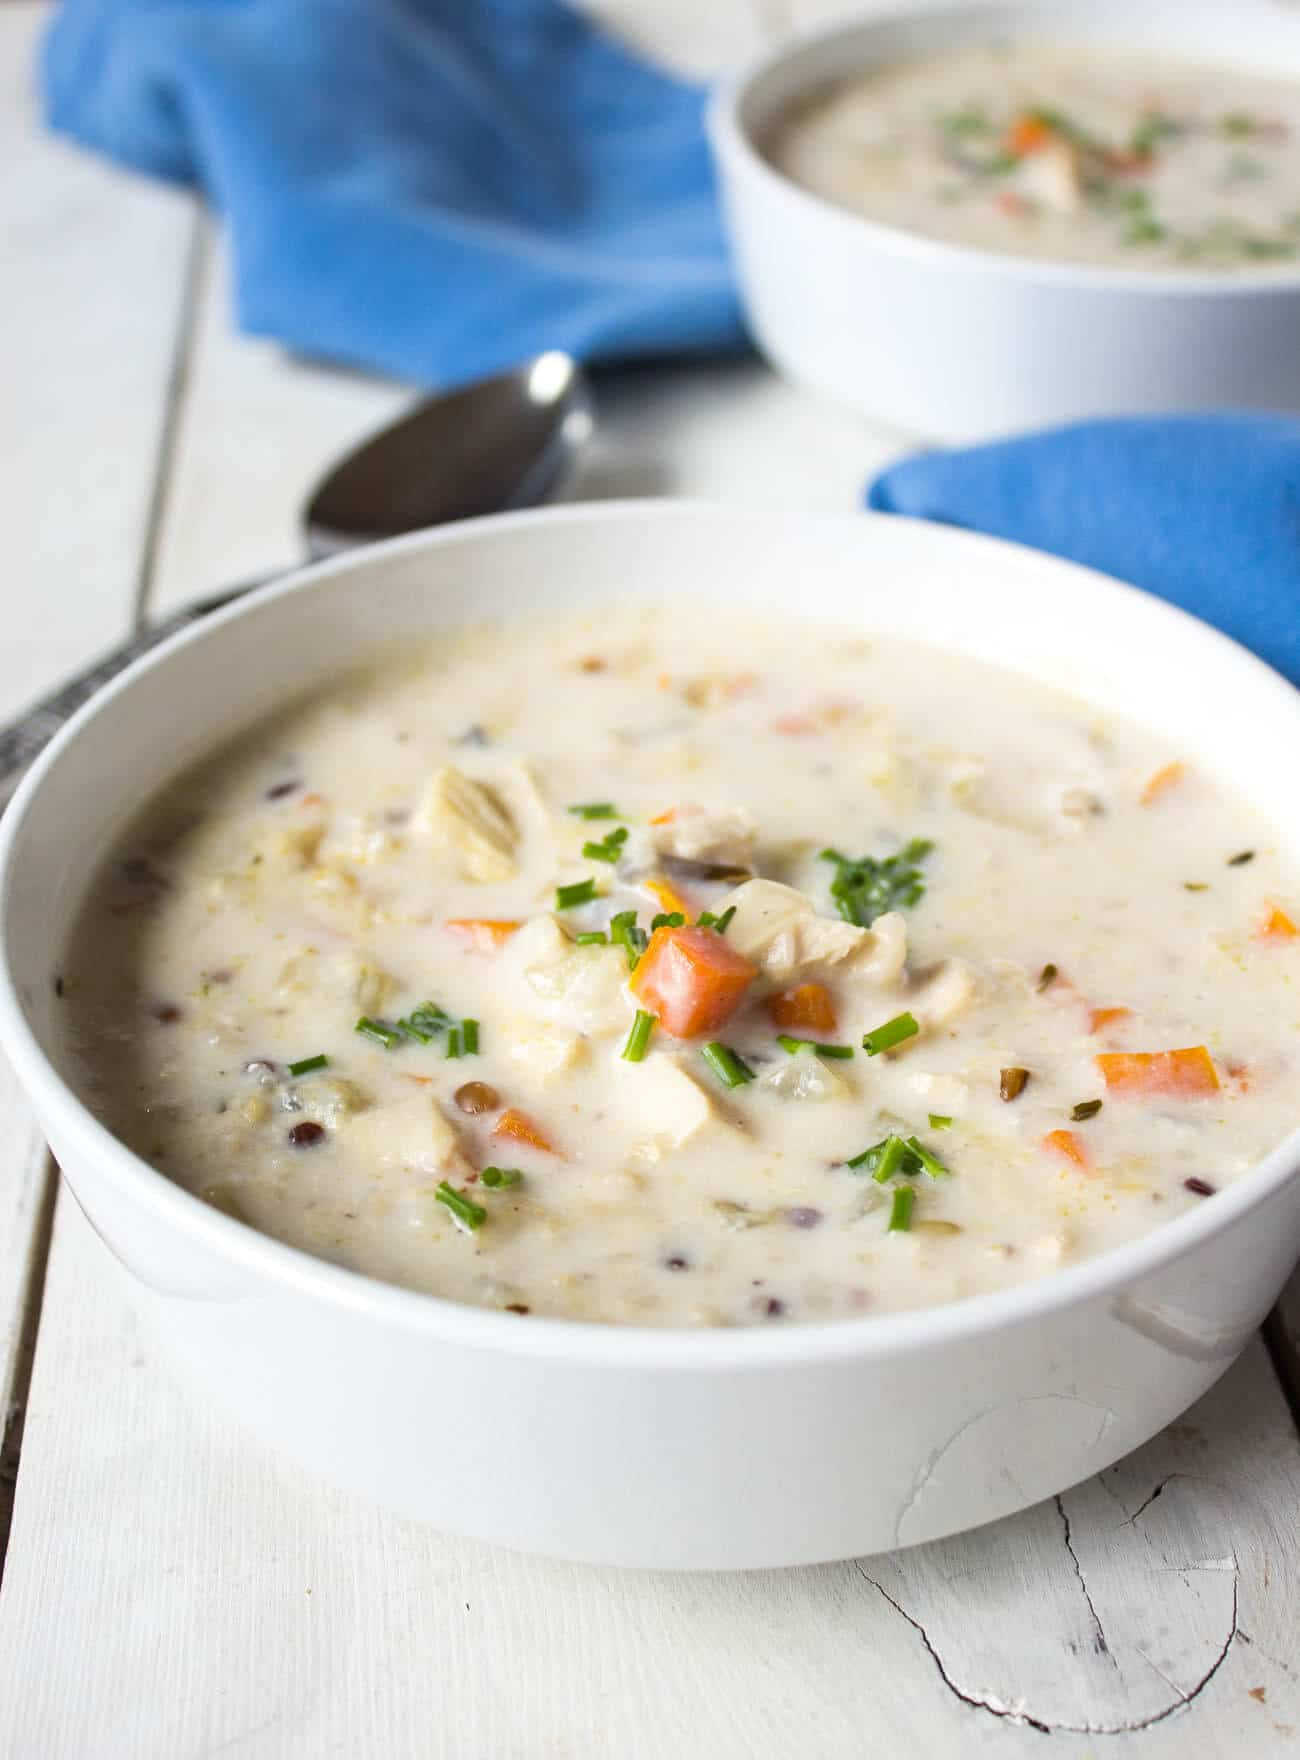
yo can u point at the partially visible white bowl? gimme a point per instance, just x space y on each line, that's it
958 343
754 1446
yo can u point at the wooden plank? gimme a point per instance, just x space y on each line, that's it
177 1592
90 299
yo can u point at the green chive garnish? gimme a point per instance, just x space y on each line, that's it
865 887
581 892
595 810
732 1071
667 920
607 849
425 1022
707 920
1085 1109
469 1038
593 938
624 933
795 1046
929 1161
470 1215
305 1065
453 1043
639 1037
889 1034
883 1159
380 1031
1241 858
900 1211
497 1177
940 1121
1047 976
1196 886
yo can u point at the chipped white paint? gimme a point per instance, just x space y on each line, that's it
170 1591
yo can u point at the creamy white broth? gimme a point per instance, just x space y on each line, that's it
1062 151
304 878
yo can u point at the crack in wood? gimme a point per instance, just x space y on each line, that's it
1099 1641
1020 1714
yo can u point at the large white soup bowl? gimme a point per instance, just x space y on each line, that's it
733 1448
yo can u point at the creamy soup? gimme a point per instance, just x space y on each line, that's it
1050 150
688 970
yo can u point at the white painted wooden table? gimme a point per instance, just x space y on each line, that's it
169 1590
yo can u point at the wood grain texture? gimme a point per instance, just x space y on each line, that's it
179 1593
90 291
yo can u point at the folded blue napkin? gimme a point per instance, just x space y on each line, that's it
1202 510
430 188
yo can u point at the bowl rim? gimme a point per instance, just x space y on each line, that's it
734 147
872 1337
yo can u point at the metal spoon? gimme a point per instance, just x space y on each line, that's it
495 444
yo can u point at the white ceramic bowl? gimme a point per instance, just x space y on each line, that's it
733 1448
958 343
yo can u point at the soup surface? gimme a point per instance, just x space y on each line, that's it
1064 151
684 970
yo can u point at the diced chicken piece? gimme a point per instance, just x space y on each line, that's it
472 821
410 1133
659 1098
543 1051
805 1077
578 987
947 992
328 1100
1051 175
694 835
945 1094
882 959
780 929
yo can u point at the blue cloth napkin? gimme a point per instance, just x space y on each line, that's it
430 188
1202 510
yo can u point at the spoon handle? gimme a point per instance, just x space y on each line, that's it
23 739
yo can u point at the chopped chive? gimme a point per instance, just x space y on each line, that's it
865 887
1196 886
890 1033
625 933
639 1037
607 849
1241 858
667 920
732 1071
497 1177
425 1022
883 1159
468 1214
595 810
707 920
795 1046
1047 977
928 1159
380 1031
1085 1109
593 938
581 892
453 1043
469 1038
940 1121
900 1211
1012 1083
305 1065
